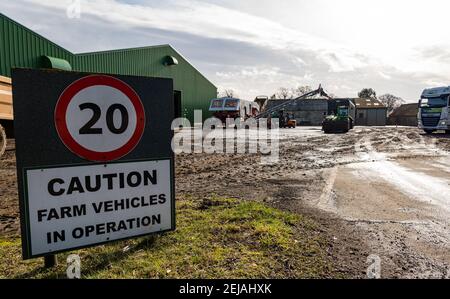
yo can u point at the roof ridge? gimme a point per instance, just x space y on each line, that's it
106 51
123 49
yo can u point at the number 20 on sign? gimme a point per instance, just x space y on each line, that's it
100 118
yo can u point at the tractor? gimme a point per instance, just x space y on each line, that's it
341 117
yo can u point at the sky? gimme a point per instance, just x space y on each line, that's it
257 46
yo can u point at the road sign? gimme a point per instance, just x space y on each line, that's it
100 118
94 158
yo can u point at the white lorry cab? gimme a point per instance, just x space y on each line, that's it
233 108
434 110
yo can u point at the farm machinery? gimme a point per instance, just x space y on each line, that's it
341 117
6 112
287 120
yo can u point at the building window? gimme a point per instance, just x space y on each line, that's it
361 115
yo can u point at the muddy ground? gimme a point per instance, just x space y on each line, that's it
374 191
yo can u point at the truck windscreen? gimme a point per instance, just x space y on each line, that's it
343 111
434 102
218 103
231 103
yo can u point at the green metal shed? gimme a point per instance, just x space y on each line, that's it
21 47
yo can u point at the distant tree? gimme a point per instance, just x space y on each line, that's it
301 90
229 93
392 102
367 93
284 93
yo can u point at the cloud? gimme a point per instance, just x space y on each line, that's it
384 75
341 63
437 53
213 21
235 49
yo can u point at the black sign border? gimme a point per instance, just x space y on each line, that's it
25 216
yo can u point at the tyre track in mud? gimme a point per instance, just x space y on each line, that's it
400 243
302 179
303 182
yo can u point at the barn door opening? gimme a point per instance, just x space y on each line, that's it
177 103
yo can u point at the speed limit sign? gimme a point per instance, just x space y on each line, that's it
100 118
94 158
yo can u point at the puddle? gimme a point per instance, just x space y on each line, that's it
417 185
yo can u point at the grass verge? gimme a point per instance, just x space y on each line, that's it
215 238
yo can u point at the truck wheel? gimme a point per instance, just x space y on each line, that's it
429 131
2 141
346 130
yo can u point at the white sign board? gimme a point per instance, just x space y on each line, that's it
79 206
94 158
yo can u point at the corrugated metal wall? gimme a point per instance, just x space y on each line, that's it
21 47
371 117
196 90
409 121
308 112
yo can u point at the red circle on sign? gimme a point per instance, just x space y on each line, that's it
72 144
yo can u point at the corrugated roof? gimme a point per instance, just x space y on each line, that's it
104 52
368 104
314 98
406 110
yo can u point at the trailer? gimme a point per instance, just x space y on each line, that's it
6 112
233 108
